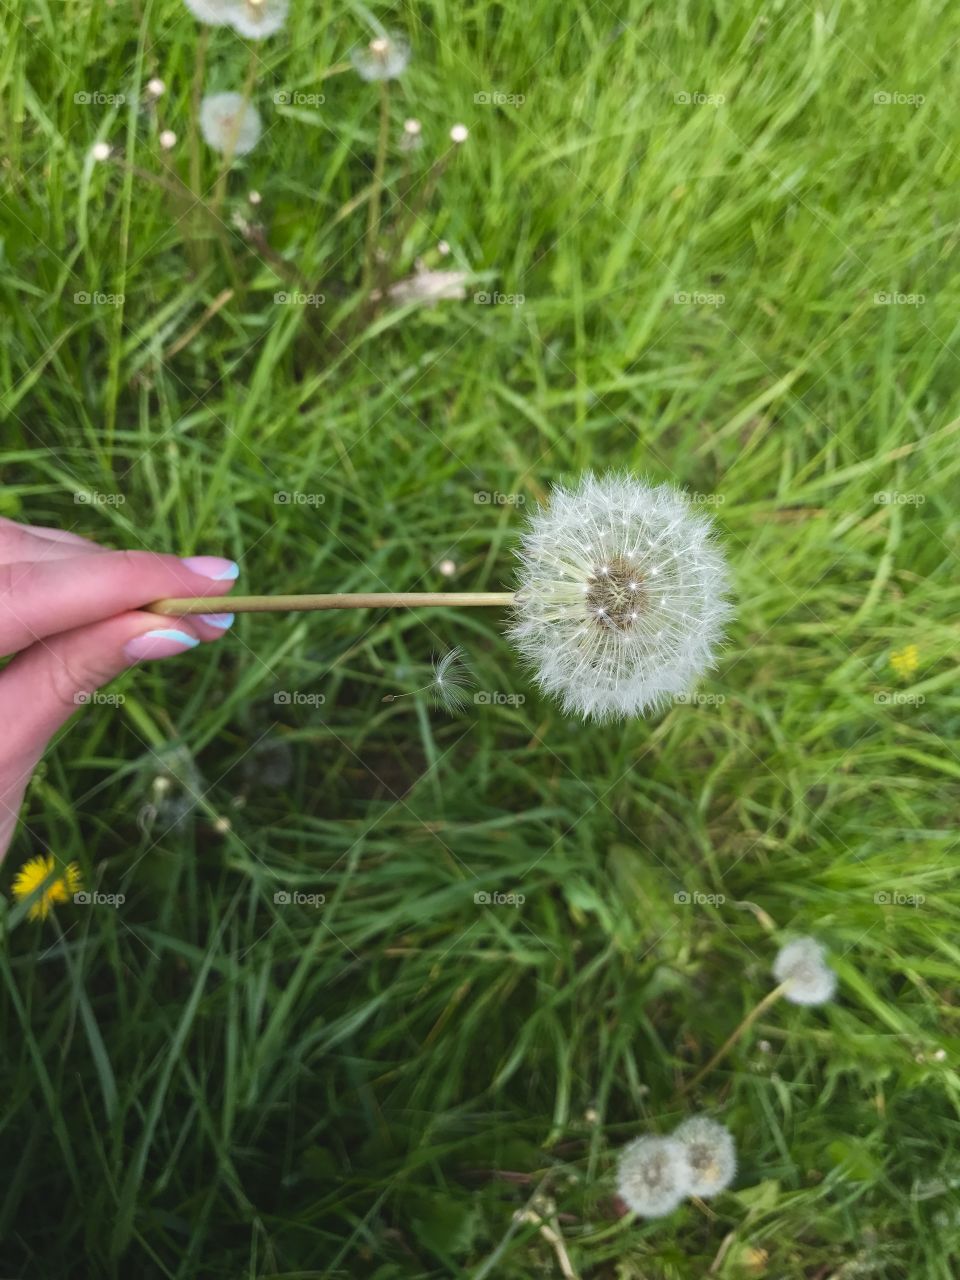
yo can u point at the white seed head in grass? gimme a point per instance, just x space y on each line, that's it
229 123
621 600
258 19
384 58
802 965
710 1154
652 1176
212 13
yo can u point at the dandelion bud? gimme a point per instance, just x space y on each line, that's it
652 1176
802 965
229 123
710 1154
621 600
459 133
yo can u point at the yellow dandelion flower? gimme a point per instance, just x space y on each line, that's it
65 882
905 661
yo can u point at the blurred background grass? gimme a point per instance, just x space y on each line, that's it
209 1081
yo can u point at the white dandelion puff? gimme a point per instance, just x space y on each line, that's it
459 133
652 1176
384 58
167 139
229 123
101 151
212 13
156 88
258 19
710 1154
621 599
802 966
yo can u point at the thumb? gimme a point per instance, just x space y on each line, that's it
45 684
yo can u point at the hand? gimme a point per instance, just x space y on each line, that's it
69 611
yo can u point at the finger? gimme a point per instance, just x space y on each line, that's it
41 598
31 542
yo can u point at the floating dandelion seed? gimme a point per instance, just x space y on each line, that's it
652 1176
58 890
229 123
451 681
384 58
710 1154
621 600
258 19
802 966
213 13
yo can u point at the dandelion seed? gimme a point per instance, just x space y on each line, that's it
802 965
586 616
58 890
710 1154
652 1176
229 123
156 88
258 19
452 679
101 151
459 133
905 661
168 139
212 13
384 58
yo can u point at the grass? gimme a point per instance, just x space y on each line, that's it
210 1081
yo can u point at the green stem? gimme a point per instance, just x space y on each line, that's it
373 209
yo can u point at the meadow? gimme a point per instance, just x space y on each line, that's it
389 987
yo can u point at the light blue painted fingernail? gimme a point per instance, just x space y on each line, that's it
221 620
159 644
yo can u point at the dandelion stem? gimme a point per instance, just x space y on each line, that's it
373 209
220 190
175 607
769 999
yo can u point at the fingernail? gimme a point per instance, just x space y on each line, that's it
214 567
221 620
159 644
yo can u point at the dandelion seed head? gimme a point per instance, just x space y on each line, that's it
710 1154
229 123
156 88
448 568
652 1176
167 139
257 19
384 58
212 13
443 248
411 126
254 197
586 617
802 965
459 133
59 889
101 151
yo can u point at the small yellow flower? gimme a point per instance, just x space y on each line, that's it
905 661
59 889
